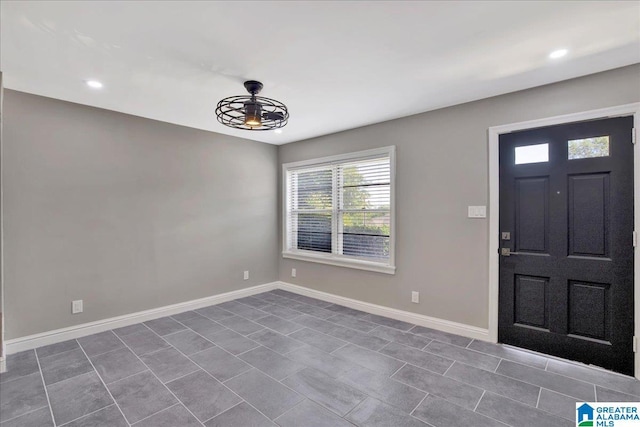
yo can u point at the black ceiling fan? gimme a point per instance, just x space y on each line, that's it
252 112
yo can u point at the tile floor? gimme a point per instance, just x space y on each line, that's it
283 359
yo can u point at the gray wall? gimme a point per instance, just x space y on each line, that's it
130 214
442 168
126 213
1 232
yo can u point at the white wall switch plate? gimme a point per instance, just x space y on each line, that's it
477 212
76 307
246 275
293 272
415 297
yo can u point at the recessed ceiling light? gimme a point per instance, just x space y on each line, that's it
94 84
278 131
558 53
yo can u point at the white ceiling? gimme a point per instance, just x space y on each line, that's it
336 64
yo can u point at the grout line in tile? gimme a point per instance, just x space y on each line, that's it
160 411
495 419
539 394
240 397
198 368
226 410
27 413
561 394
223 384
293 349
388 378
339 348
552 373
297 404
46 392
481 396
177 332
419 403
128 376
90 413
595 393
537 409
61 381
106 352
396 371
216 345
260 371
357 406
423 422
237 375
546 364
450 366
380 353
300 370
58 354
105 387
153 351
251 349
470 343
159 380
528 383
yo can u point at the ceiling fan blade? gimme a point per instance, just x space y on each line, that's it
269 115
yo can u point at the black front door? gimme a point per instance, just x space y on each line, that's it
566 242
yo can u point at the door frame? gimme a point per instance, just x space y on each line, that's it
494 133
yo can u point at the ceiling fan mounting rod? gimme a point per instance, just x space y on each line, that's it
253 86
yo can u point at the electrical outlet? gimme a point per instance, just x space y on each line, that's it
246 275
293 272
415 297
76 307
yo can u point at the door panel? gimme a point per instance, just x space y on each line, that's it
566 198
588 208
531 301
532 214
588 310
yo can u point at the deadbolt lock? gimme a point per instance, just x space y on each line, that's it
506 235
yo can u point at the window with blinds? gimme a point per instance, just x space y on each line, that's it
339 210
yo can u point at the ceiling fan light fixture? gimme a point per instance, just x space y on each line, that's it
252 112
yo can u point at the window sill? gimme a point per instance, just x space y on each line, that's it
342 262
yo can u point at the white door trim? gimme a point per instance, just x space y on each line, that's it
494 202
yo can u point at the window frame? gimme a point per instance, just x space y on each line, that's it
332 258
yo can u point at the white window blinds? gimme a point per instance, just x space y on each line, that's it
341 209
364 208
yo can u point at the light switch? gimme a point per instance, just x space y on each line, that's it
477 212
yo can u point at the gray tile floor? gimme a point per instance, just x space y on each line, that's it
279 358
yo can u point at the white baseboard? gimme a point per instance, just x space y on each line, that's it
79 331
51 337
3 365
405 316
